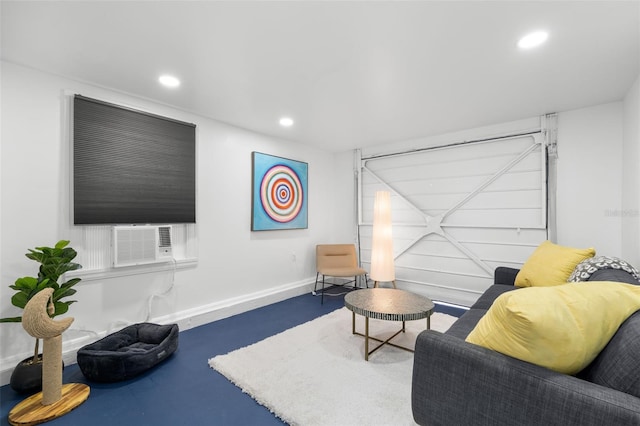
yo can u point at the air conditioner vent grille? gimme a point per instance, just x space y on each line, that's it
164 233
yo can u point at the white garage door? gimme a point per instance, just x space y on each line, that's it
458 212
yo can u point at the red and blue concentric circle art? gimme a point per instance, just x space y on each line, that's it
281 193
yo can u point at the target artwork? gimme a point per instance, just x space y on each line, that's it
279 198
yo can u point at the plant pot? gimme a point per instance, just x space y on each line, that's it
27 376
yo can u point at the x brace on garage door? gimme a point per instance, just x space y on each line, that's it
483 189
434 223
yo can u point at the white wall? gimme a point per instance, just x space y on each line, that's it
237 269
631 177
590 178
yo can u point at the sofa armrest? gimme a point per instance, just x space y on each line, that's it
457 383
505 275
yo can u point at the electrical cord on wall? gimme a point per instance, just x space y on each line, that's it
114 326
163 294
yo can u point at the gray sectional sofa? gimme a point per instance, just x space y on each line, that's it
458 383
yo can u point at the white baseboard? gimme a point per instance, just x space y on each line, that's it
186 319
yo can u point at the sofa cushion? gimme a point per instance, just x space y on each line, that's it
463 326
585 270
467 322
618 365
617 275
551 264
562 328
505 275
486 299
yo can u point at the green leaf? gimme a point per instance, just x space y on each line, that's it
62 243
61 308
43 284
25 283
63 292
47 251
14 319
71 266
19 300
68 254
70 283
34 255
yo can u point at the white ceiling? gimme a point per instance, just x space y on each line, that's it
351 74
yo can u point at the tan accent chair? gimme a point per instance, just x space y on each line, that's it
337 260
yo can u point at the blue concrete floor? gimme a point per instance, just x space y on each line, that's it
184 390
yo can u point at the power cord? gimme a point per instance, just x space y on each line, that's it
122 323
165 293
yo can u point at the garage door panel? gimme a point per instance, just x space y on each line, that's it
486 204
502 235
407 211
407 217
442 256
452 162
489 250
495 252
457 264
497 218
448 170
399 232
531 162
402 213
433 245
446 279
516 181
465 184
494 200
498 200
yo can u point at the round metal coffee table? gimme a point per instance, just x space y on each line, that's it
387 304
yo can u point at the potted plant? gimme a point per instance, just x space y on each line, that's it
54 263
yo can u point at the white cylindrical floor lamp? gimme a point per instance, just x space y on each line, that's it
382 267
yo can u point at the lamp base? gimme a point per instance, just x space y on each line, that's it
375 283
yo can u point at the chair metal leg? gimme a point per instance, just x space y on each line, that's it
322 297
315 286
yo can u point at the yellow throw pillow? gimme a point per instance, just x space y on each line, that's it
551 264
562 328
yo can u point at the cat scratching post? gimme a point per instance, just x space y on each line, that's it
55 400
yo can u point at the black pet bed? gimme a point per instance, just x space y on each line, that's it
128 352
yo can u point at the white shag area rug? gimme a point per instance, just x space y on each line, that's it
315 373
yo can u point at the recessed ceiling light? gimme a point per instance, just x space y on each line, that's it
286 122
169 81
533 39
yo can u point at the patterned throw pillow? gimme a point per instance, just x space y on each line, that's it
587 267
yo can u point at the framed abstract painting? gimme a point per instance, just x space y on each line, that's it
279 193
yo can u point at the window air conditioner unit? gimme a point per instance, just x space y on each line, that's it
141 245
